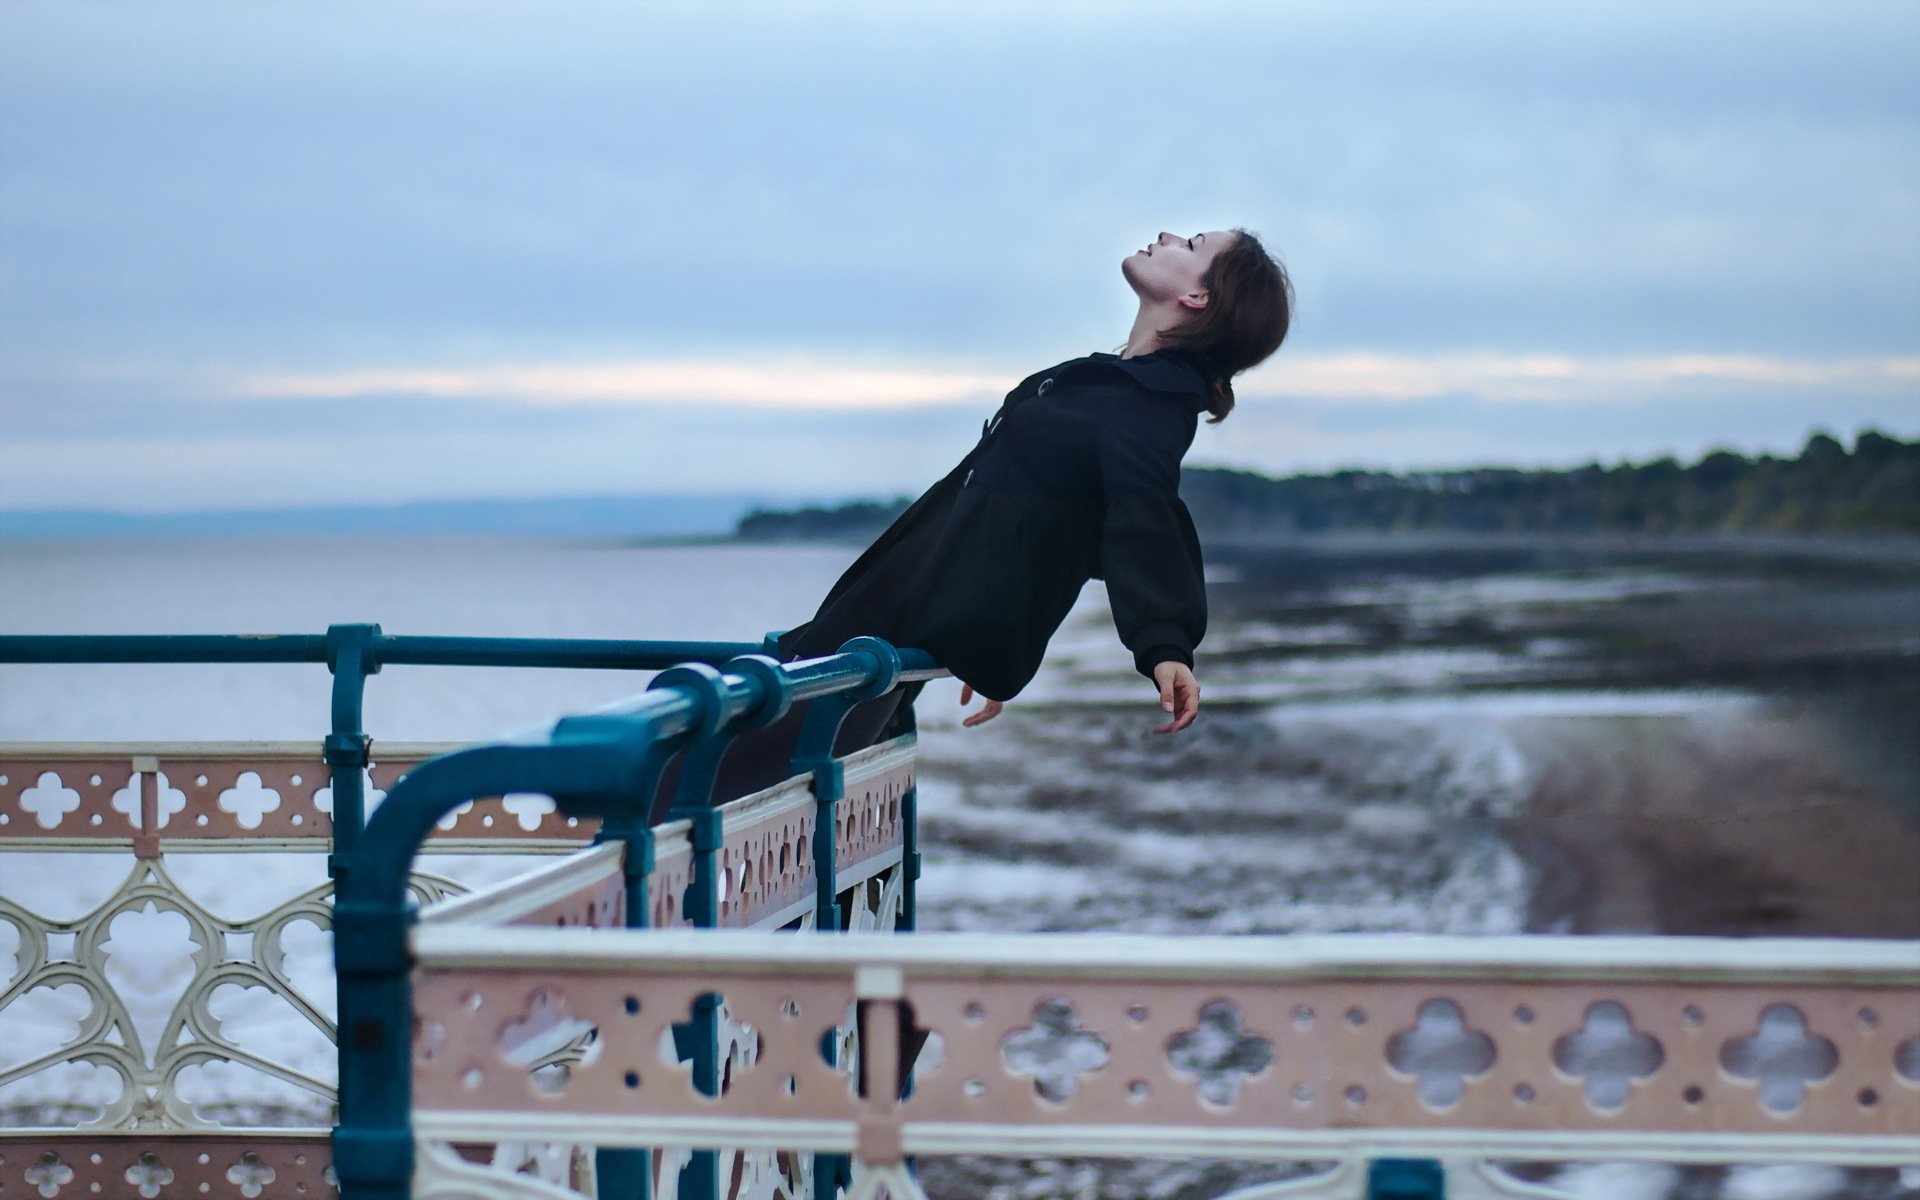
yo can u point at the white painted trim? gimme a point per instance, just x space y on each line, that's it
877 864
881 758
532 891
1132 1141
735 1133
794 794
1828 962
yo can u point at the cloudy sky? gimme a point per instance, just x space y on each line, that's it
294 253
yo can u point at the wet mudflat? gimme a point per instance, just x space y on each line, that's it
1456 735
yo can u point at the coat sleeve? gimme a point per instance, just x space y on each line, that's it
1149 552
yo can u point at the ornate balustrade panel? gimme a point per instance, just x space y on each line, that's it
1674 1049
263 1163
870 839
870 835
151 985
76 796
767 881
766 867
160 1039
233 796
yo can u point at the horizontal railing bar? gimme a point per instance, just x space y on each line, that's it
1124 1141
1222 957
163 648
389 751
382 649
588 653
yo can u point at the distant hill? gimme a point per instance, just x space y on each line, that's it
602 516
854 519
1874 488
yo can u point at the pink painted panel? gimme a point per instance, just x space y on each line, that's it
1304 1055
1327 1066
473 1026
769 867
869 819
48 797
179 1165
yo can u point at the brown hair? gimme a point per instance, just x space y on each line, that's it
1249 307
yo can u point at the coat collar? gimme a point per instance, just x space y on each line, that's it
1186 373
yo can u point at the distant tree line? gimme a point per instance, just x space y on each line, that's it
1875 487
857 519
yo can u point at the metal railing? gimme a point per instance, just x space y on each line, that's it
1360 1049
747 863
1417 1064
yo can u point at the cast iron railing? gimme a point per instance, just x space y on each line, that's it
158 800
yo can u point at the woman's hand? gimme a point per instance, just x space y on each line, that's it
1179 694
988 711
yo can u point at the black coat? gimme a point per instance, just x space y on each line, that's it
1076 476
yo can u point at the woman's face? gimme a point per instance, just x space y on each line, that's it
1171 266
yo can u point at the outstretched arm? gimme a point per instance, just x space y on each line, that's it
1149 551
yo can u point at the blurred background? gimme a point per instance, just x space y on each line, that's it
1564 564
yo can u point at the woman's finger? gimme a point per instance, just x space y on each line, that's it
988 712
1189 703
1181 697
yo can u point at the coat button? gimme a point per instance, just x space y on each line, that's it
1045 386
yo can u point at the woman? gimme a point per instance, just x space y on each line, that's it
1075 478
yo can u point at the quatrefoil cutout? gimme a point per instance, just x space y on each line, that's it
250 1175
1054 1050
1441 1052
1608 1055
249 800
1782 1056
151 1176
49 799
49 1175
1219 1052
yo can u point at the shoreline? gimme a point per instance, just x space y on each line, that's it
1753 828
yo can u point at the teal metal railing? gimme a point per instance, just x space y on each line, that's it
606 766
352 653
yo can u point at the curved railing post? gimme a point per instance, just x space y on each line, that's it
592 767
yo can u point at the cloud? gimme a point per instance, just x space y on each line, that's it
493 247
1361 378
788 383
1388 378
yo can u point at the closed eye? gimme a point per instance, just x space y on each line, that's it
1189 243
